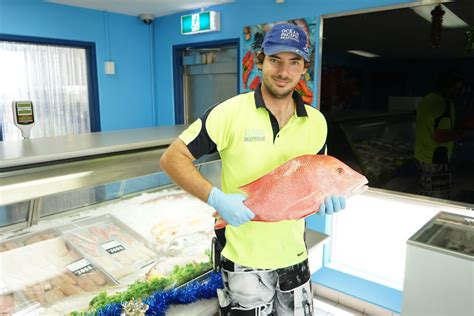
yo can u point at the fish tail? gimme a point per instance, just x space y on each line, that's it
220 223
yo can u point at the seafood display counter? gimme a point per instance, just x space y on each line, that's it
87 221
381 146
85 217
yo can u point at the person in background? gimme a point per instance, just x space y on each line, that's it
435 136
262 264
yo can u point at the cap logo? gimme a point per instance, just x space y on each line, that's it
289 34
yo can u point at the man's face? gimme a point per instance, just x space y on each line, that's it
281 73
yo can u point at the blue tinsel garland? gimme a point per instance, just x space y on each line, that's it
159 301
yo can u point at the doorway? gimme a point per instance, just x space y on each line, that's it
204 75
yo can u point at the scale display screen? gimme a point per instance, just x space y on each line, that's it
24 113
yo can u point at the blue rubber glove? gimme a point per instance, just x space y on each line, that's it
332 204
230 207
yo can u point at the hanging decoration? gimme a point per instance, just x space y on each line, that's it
436 25
470 40
135 300
134 308
158 302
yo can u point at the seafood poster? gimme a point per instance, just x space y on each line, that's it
252 40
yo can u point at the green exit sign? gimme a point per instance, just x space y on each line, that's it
201 22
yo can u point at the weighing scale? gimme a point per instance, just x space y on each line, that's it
23 117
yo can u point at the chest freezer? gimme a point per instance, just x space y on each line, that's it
439 271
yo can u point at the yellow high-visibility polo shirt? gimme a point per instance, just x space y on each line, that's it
250 144
432 113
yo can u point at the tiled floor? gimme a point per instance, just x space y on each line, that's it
325 307
328 302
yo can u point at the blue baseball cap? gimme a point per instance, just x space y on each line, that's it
286 38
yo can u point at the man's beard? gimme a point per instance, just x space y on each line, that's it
275 93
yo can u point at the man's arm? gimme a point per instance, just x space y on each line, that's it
177 162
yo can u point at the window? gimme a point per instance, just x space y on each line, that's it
372 81
57 79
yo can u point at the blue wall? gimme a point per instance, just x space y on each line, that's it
234 17
126 98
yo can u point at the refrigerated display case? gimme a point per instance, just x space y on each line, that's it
82 214
381 146
104 217
439 271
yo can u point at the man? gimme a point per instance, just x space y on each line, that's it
435 135
262 264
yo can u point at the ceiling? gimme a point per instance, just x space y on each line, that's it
397 34
136 7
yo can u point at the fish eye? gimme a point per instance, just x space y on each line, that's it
340 170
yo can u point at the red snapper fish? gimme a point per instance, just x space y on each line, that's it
297 188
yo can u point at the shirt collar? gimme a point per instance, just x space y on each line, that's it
300 108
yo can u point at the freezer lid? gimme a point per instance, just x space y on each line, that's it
449 233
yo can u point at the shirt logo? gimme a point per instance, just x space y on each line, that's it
289 34
254 135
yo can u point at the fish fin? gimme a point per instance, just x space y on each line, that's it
220 223
250 187
267 180
305 206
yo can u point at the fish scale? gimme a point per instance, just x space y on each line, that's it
297 188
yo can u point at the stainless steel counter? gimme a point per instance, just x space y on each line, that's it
19 153
35 168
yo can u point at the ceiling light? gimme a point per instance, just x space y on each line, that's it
363 53
450 20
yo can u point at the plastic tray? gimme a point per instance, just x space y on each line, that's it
111 245
27 239
45 272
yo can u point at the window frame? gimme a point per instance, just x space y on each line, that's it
91 64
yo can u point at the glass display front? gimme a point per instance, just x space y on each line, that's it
100 238
380 147
429 149
14 214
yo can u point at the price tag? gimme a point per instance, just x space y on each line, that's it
80 267
112 246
